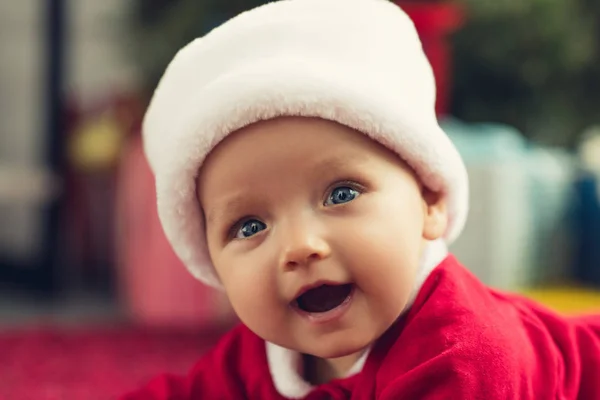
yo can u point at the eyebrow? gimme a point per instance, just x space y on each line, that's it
223 208
339 163
231 204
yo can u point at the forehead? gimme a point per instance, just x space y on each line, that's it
296 133
293 146
292 139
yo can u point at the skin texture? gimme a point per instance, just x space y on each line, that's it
291 201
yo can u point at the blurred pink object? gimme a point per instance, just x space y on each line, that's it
155 287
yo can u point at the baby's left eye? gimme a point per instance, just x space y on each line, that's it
340 195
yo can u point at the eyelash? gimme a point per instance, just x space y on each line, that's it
235 227
347 183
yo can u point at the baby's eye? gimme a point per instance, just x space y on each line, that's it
340 195
249 228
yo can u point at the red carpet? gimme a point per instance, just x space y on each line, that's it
61 364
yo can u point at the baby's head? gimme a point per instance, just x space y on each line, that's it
296 203
296 147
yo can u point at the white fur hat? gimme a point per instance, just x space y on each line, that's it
357 62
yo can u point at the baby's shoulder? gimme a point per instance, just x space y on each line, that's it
457 315
474 341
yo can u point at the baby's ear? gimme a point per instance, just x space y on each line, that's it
435 213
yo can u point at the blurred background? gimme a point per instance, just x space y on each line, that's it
92 300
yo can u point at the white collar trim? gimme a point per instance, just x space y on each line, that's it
285 366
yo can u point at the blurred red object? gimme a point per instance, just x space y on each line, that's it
436 21
93 363
155 287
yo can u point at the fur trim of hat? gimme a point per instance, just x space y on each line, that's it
357 62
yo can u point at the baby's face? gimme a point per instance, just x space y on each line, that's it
315 231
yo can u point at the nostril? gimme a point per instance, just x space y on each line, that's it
314 256
303 253
294 262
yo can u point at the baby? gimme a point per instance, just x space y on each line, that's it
300 167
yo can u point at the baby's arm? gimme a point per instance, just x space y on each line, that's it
556 359
585 342
444 378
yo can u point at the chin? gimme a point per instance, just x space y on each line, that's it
338 348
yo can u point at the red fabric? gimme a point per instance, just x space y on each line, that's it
92 364
435 22
460 340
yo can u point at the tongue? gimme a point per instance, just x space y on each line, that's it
323 298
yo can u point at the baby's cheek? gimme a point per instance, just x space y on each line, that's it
254 300
265 318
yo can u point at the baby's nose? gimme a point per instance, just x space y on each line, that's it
302 246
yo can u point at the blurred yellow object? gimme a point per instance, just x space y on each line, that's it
97 144
567 299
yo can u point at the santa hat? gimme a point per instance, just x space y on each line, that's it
357 62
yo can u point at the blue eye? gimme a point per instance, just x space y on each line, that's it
249 228
341 195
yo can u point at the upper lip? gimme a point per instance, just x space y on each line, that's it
316 284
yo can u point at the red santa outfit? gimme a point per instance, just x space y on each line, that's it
359 63
459 340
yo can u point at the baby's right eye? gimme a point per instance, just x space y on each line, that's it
249 228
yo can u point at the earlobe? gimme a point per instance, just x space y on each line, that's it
436 215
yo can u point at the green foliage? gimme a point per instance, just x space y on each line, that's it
533 64
162 27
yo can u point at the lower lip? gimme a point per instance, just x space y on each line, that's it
327 316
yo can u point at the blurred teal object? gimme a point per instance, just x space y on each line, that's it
552 172
479 143
495 241
520 193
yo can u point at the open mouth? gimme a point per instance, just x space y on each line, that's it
324 298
